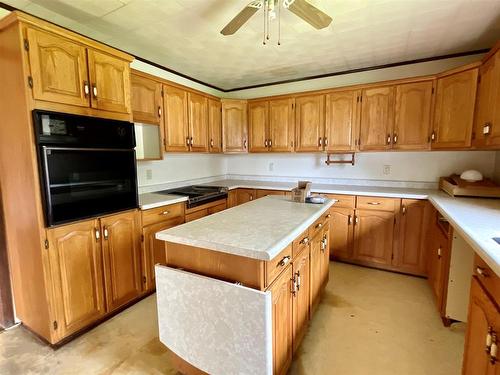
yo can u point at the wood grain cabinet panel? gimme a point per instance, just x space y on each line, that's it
281 125
259 193
377 118
282 310
214 125
58 68
198 122
412 124
341 233
301 275
483 321
374 236
176 119
258 126
341 121
146 100
309 123
109 81
487 117
234 126
245 195
77 273
454 110
121 235
316 278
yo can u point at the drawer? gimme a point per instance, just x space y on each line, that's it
278 264
318 225
344 201
218 208
487 278
163 213
377 203
197 215
300 243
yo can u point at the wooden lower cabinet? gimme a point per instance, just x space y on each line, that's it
245 195
282 310
260 193
77 274
341 233
320 258
483 334
301 276
121 236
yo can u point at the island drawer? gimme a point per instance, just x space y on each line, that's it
300 243
318 225
487 278
378 203
344 201
278 264
163 213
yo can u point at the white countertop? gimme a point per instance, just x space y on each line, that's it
476 220
153 200
259 229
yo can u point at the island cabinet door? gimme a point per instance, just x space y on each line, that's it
301 291
325 256
76 268
482 337
282 310
341 233
315 271
122 258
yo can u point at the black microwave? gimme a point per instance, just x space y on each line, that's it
87 166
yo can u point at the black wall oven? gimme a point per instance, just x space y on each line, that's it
87 166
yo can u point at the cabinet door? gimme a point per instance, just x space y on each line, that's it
438 264
245 195
300 297
341 233
153 250
234 126
258 135
325 257
58 68
454 110
214 125
281 291
412 124
76 267
309 123
146 100
341 120
410 255
315 272
377 118
176 119
122 258
483 319
198 122
373 236
487 117
281 125
109 81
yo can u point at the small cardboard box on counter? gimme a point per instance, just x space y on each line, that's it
302 191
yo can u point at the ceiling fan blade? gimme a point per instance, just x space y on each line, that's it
309 13
242 17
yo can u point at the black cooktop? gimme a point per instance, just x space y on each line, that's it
198 194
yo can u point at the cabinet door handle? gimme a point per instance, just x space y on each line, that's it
374 203
482 272
328 216
294 286
245 144
283 262
403 210
433 136
251 197
325 141
106 234
298 280
395 138
487 128
320 225
494 349
304 241
86 89
159 111
320 141
191 141
97 234
489 340
187 141
270 143
439 252
212 143
356 220
164 212
349 220
94 91
265 143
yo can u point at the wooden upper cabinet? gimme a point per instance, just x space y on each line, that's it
109 82
341 121
487 117
198 122
58 69
258 126
454 110
77 274
412 122
234 126
176 119
146 100
214 125
281 125
377 118
121 236
309 123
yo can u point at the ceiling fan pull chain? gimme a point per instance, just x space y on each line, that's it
264 39
267 18
279 22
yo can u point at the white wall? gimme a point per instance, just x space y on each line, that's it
405 166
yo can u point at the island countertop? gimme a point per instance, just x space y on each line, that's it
259 229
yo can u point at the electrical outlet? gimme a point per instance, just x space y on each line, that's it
149 174
387 169
271 167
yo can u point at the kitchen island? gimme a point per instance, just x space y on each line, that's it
239 287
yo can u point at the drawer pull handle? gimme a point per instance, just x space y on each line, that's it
320 225
328 216
489 340
439 252
304 241
374 203
349 219
481 272
284 261
298 280
164 212
494 349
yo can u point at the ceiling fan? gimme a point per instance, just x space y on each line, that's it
300 8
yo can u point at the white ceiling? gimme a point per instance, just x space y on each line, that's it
183 35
